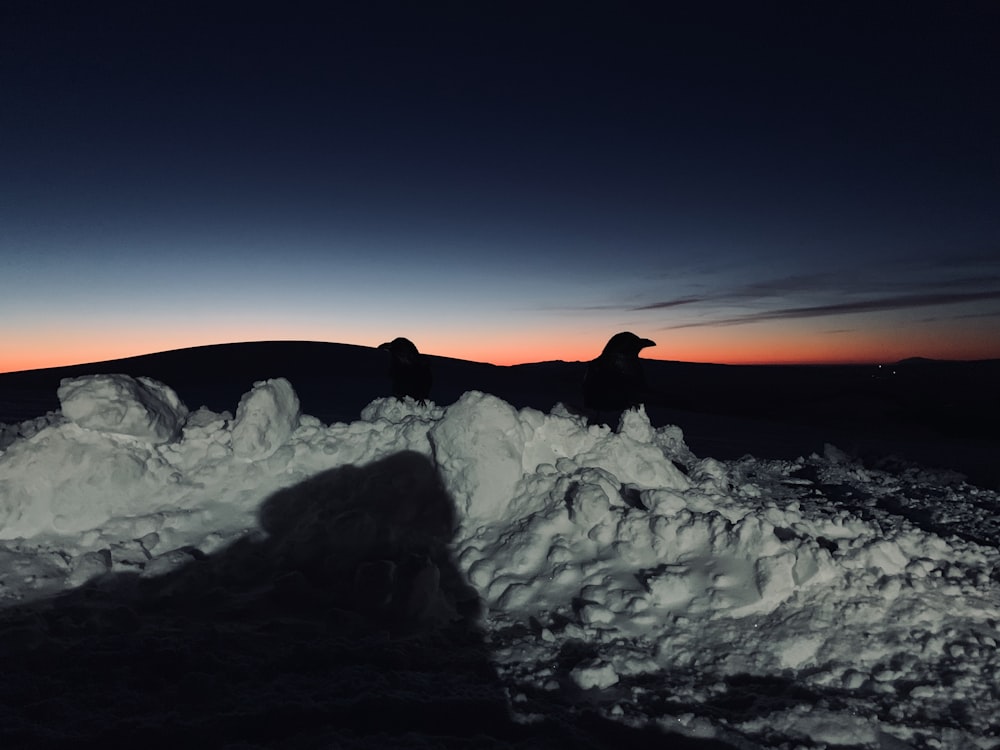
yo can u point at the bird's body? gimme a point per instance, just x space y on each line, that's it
614 381
408 370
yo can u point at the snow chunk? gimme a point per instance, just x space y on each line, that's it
478 446
635 424
633 456
399 411
265 419
138 407
89 565
594 674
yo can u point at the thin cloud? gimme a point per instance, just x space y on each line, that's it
667 304
846 308
991 314
780 287
883 292
786 285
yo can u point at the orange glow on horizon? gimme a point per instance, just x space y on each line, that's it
501 347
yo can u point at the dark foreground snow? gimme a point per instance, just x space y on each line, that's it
476 575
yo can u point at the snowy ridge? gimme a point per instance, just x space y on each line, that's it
681 575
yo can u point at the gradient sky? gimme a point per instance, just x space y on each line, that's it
501 182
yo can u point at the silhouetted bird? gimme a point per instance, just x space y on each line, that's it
614 380
409 371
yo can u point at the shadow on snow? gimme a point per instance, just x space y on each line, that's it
346 623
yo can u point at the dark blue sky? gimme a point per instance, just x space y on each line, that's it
502 182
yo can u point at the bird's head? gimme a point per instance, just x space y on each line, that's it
627 343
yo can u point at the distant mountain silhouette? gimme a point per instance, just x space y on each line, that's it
940 415
333 381
949 362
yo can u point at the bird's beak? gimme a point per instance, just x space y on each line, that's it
643 343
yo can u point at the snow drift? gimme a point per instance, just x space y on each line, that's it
677 570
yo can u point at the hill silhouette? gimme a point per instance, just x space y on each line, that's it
939 413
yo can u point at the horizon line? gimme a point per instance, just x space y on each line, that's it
753 363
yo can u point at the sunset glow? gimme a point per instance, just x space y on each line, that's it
497 188
513 349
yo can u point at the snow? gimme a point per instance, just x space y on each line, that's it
758 603
141 408
265 419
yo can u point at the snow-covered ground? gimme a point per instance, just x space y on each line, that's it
154 557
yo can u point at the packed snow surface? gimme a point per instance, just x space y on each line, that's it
810 603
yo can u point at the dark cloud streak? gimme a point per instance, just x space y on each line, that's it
666 305
846 308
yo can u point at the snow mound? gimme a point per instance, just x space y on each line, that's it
265 419
119 404
478 445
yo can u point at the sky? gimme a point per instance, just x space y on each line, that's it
501 182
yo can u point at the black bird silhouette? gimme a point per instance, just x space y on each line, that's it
409 371
614 380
